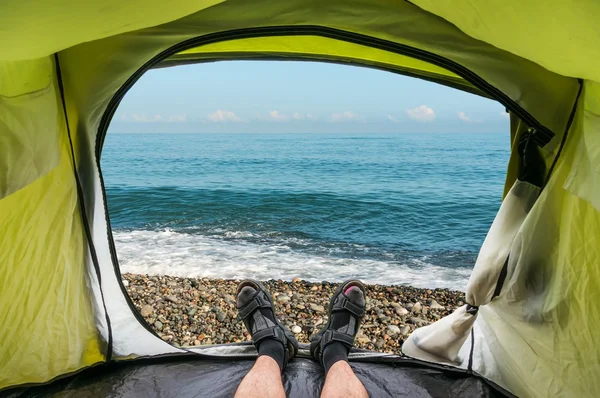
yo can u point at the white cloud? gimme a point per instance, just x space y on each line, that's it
344 116
144 118
392 118
224 116
178 118
421 113
280 117
304 116
467 119
505 115
463 116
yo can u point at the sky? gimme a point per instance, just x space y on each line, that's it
298 97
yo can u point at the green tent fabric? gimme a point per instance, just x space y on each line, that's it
530 326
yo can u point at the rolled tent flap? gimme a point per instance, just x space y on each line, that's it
442 340
499 241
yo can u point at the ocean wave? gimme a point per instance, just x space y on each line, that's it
174 253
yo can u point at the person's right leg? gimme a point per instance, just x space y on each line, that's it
342 382
275 344
263 380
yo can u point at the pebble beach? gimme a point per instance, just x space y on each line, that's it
193 312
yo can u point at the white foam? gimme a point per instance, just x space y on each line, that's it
190 255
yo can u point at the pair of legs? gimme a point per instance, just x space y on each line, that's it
276 345
264 381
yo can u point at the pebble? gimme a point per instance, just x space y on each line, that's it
362 339
393 330
282 298
179 309
435 305
417 321
401 311
147 310
125 282
316 307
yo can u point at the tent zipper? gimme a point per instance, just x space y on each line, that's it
542 137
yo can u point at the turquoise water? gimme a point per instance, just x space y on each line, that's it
387 208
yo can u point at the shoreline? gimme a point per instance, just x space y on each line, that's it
202 311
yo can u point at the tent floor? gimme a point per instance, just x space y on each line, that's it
192 377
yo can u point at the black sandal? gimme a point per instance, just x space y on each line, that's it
262 299
328 335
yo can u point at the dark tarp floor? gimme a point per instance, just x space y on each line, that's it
220 378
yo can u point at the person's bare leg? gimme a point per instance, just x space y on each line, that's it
342 382
263 380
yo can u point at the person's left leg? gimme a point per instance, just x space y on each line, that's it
263 380
275 344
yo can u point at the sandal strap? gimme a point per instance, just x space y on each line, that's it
331 336
273 332
259 301
342 303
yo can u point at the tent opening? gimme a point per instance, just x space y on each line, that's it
298 171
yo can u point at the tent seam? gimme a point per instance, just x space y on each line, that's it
82 209
566 133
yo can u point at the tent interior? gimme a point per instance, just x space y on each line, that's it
529 328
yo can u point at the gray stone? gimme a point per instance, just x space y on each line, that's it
192 311
401 311
158 325
283 298
417 321
405 330
147 310
172 299
379 343
417 307
383 318
435 305
316 307
221 316
393 330
295 296
296 329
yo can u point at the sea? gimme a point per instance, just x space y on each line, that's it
407 208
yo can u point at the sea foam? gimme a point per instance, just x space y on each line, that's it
193 255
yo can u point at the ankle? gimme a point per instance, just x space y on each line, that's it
334 353
273 349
